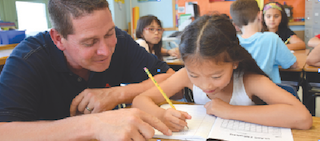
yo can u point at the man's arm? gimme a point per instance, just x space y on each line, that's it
125 124
107 98
313 58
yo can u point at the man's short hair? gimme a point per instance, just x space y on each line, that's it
244 12
62 11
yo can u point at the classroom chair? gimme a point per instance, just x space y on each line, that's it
289 89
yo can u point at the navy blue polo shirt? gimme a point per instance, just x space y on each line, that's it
36 83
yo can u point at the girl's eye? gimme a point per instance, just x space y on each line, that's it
216 77
151 29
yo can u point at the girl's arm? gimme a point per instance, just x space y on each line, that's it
295 43
314 42
313 58
172 52
283 109
148 100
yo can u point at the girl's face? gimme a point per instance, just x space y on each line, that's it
272 18
152 33
209 76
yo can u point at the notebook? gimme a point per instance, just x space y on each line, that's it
203 126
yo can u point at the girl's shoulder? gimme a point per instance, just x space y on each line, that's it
143 43
252 81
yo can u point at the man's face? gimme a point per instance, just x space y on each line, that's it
92 43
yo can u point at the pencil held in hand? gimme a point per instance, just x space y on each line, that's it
286 42
157 85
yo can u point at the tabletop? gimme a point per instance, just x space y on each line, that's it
5 51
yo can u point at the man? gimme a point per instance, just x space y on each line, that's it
65 72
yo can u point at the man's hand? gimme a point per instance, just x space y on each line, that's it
126 124
95 100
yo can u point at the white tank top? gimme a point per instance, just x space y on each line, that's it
239 95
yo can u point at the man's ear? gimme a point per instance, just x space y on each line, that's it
57 39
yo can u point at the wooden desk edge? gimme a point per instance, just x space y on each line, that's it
8 46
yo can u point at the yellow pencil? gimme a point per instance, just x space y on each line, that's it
159 88
157 85
286 42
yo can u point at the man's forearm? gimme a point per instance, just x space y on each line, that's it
65 129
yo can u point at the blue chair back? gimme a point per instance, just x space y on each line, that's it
289 89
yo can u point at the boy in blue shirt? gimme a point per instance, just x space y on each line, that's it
266 48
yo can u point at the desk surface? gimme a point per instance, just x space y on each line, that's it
308 68
5 51
312 134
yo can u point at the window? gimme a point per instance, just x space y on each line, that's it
31 17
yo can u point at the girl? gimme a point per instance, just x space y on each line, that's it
275 20
225 79
149 33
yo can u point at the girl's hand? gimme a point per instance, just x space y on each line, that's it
218 108
175 120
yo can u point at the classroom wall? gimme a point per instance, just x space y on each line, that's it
162 9
119 13
207 7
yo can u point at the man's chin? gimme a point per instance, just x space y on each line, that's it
99 68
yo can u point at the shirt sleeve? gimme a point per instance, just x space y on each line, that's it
18 85
284 57
318 36
143 43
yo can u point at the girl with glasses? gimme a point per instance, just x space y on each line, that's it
149 33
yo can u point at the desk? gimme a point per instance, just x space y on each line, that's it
5 51
311 76
175 64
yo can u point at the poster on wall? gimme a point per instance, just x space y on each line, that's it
148 0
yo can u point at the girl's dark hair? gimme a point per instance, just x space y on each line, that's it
214 37
284 18
144 22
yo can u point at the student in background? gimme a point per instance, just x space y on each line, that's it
275 20
225 79
313 58
314 41
149 33
266 48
